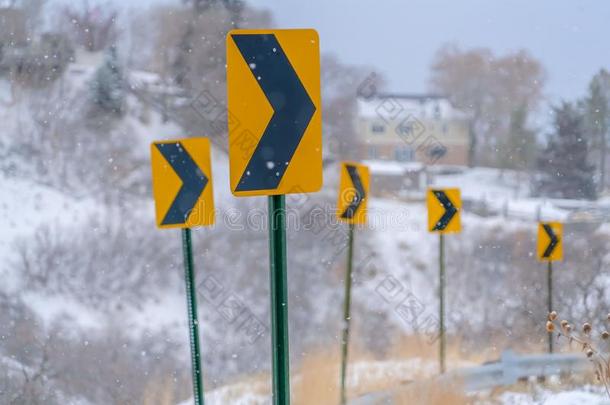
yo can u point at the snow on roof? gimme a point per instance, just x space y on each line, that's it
145 77
413 96
84 57
386 105
153 82
392 168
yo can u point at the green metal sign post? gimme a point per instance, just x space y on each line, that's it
191 301
279 300
346 312
444 207
441 293
549 280
549 247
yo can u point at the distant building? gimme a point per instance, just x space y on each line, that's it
397 179
411 128
13 31
27 59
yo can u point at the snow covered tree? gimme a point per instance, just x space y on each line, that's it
519 149
566 172
235 7
108 85
597 107
489 87
92 28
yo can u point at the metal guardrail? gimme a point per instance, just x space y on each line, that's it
507 371
512 367
577 213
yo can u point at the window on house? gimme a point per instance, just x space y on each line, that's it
403 154
405 128
372 152
437 111
378 128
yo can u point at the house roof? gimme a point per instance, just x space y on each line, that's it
412 96
384 105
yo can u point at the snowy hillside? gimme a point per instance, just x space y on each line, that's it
84 263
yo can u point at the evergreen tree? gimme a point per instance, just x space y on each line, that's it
566 172
181 64
108 85
519 150
597 107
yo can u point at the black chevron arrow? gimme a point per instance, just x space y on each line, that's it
450 210
292 110
193 182
360 195
554 241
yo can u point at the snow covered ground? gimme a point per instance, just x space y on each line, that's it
396 242
256 393
579 396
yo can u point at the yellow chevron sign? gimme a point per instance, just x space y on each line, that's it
182 183
549 247
275 112
353 193
444 206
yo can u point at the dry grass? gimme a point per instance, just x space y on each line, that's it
458 354
422 390
412 346
318 379
161 391
407 369
432 393
412 358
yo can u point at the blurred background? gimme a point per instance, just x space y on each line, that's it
508 101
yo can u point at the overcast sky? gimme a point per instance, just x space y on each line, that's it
399 38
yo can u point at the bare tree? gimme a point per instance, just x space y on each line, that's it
93 28
49 364
341 84
234 7
189 53
57 263
490 88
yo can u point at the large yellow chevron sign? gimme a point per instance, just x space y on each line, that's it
353 193
550 241
444 207
182 183
275 121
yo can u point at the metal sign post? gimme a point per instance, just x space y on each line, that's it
279 299
275 147
182 188
444 207
352 205
549 284
346 311
441 293
191 304
549 248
